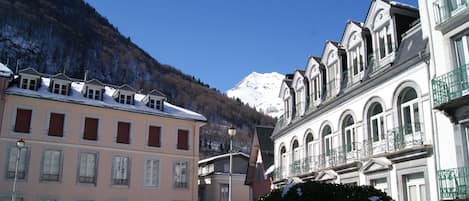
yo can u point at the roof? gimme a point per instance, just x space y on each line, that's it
61 76
30 71
222 156
156 92
76 97
5 71
94 82
412 45
126 87
266 145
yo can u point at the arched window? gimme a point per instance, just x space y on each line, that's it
296 151
309 145
283 161
376 123
349 135
327 137
409 117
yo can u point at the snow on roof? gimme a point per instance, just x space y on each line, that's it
395 3
5 71
222 156
108 102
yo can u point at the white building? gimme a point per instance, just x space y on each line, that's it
361 113
445 24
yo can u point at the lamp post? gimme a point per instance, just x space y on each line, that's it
231 133
19 145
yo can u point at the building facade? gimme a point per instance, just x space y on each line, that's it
261 159
214 178
446 26
86 140
360 114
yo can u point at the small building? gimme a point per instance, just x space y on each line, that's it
261 161
214 178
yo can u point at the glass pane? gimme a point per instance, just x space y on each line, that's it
328 147
374 130
460 52
348 136
381 126
388 37
407 120
423 194
416 117
382 50
412 193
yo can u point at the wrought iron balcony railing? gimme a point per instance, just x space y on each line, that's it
454 183
451 85
445 9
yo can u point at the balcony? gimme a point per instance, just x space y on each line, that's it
450 87
454 183
446 9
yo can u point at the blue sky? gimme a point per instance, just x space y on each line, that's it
222 41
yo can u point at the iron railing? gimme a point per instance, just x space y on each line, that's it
454 183
445 9
451 85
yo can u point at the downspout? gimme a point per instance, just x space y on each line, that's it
432 113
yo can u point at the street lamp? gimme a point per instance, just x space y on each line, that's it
231 133
20 145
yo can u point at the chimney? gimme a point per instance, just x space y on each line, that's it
86 75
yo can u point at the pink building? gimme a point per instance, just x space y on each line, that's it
86 140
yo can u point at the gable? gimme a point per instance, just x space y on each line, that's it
378 12
327 175
330 53
352 35
298 80
377 164
284 90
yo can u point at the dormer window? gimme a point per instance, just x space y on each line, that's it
315 88
155 100
28 84
125 99
158 105
94 94
384 41
60 89
356 59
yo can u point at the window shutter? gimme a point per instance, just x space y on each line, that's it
154 136
183 140
91 129
123 133
56 124
23 120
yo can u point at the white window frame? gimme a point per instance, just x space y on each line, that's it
383 31
27 82
382 186
180 177
120 170
411 105
50 170
23 163
465 46
315 88
352 131
87 172
380 120
418 183
151 172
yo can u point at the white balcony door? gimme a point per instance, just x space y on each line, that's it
378 133
411 121
284 165
416 190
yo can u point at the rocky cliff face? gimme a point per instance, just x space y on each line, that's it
70 36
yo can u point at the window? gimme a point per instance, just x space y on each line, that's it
159 105
183 139
22 163
120 170
91 129
56 124
376 122
122 99
283 162
327 134
154 136
60 89
315 88
415 187
224 188
94 94
384 41
349 134
331 85
461 46
296 152
129 100
28 84
380 184
51 165
152 173
409 111
88 168
181 174
123 132
152 103
126 99
23 120
300 97
356 59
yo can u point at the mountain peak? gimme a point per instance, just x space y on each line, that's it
260 90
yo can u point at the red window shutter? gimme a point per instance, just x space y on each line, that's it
154 136
56 124
123 133
183 139
91 129
23 120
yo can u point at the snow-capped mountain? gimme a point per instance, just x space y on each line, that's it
260 90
